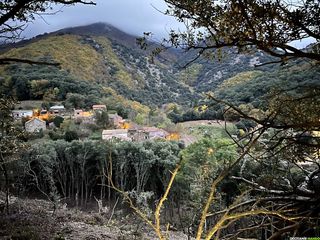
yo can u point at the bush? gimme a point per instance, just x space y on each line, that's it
71 135
35 135
57 121
55 136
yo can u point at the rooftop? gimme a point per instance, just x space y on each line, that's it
57 107
114 131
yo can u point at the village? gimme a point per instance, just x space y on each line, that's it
39 120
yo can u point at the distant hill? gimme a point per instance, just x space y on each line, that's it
257 87
102 61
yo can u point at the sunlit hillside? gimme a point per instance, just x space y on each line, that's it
103 56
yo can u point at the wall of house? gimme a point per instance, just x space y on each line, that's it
35 126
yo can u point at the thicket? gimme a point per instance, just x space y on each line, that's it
77 171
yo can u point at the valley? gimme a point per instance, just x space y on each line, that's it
100 138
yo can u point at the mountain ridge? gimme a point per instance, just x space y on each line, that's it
106 57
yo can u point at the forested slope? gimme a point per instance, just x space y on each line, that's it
100 56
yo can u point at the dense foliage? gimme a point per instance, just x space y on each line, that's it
77 170
267 25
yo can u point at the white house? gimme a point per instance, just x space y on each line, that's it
17 114
99 107
121 134
57 109
155 133
35 125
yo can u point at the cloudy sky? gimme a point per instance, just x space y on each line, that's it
132 16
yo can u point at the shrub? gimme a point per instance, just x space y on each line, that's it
71 135
57 121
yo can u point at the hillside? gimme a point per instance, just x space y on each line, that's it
257 87
101 61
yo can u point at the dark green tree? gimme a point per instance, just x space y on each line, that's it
75 100
71 135
11 141
102 119
57 121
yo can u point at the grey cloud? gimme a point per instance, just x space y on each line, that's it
132 16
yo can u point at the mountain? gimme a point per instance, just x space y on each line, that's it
101 61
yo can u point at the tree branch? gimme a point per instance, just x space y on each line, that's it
5 61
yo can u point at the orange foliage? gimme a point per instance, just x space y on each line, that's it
86 114
173 136
43 114
125 125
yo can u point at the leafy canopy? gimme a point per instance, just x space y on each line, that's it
267 25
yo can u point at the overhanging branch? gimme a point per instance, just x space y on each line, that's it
5 61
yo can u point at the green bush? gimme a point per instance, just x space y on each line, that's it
71 135
57 121
55 136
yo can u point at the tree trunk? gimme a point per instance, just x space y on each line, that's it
6 177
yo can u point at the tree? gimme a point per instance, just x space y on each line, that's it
266 25
57 121
102 119
14 14
10 140
75 100
71 135
143 160
39 166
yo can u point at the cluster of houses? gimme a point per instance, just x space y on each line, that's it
37 118
122 129
88 116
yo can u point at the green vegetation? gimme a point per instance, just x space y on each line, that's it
204 160
66 50
44 82
230 179
190 75
109 64
257 88
11 141
76 169
96 61
216 132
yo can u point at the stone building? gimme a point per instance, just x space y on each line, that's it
121 134
35 125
